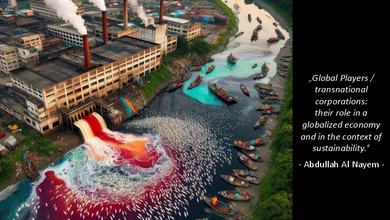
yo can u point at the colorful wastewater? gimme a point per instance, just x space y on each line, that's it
248 53
167 158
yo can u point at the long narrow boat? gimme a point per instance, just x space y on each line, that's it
244 146
239 34
243 173
195 68
234 195
222 93
252 155
235 181
210 69
244 89
195 82
269 111
260 122
222 208
247 161
250 179
175 86
185 77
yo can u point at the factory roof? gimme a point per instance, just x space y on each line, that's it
57 70
48 74
176 20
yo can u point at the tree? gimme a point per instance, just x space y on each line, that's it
200 47
276 207
183 47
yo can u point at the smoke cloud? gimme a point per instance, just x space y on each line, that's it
139 9
99 3
66 10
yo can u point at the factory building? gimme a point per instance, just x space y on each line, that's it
67 88
42 10
183 27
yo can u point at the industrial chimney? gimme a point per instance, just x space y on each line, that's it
125 15
105 28
161 10
87 56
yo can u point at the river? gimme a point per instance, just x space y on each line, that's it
190 131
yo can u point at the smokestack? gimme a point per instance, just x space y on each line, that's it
87 56
105 28
161 10
125 15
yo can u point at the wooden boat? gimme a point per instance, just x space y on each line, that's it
235 181
244 89
269 111
195 82
175 86
28 165
268 92
279 33
254 36
249 17
222 93
261 108
266 97
282 74
185 77
211 68
254 65
244 146
260 76
273 39
243 173
250 179
264 68
195 68
275 24
247 161
258 20
232 195
222 208
239 34
254 142
263 86
252 155
282 65
232 59
260 122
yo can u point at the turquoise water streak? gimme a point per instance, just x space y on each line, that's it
229 75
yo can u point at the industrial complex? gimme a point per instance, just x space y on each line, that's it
57 74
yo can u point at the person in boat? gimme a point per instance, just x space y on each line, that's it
246 195
262 119
215 201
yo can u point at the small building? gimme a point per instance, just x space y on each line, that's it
183 27
9 58
28 40
29 56
157 34
3 150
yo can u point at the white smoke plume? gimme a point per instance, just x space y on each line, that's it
66 10
141 13
99 3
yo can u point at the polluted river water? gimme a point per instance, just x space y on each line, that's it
167 158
